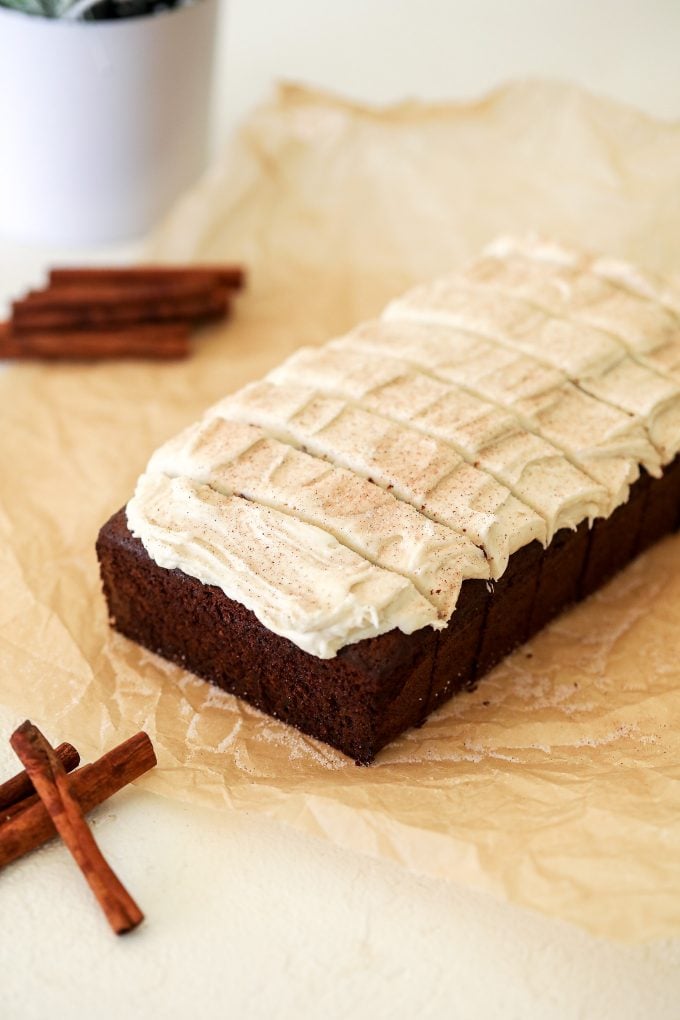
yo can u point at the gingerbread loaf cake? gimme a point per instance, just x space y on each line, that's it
368 530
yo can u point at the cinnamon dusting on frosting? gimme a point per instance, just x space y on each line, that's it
357 487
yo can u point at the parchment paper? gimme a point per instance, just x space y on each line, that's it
557 783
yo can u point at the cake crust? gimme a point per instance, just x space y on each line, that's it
372 526
375 689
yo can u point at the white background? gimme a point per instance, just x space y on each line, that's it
249 919
387 50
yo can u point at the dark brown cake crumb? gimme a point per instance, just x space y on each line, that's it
375 689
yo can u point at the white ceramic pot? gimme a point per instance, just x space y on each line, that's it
102 124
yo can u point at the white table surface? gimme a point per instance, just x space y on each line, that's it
246 918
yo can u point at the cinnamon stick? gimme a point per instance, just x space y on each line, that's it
105 292
85 305
118 312
92 785
57 795
17 789
230 276
164 341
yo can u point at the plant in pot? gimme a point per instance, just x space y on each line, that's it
104 114
89 10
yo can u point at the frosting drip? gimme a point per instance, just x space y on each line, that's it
299 581
241 459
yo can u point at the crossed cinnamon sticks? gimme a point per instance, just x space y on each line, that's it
116 312
45 800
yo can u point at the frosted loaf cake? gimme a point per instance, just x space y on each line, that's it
371 527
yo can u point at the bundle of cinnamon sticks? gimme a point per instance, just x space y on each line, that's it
45 800
118 312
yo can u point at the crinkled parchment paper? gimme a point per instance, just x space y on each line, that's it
557 783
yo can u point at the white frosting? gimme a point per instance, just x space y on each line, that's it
649 327
418 469
641 312
665 360
653 398
546 249
643 284
490 438
298 580
606 443
514 322
567 346
638 282
241 459
578 296
353 490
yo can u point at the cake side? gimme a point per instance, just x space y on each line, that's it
412 500
373 686
374 689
